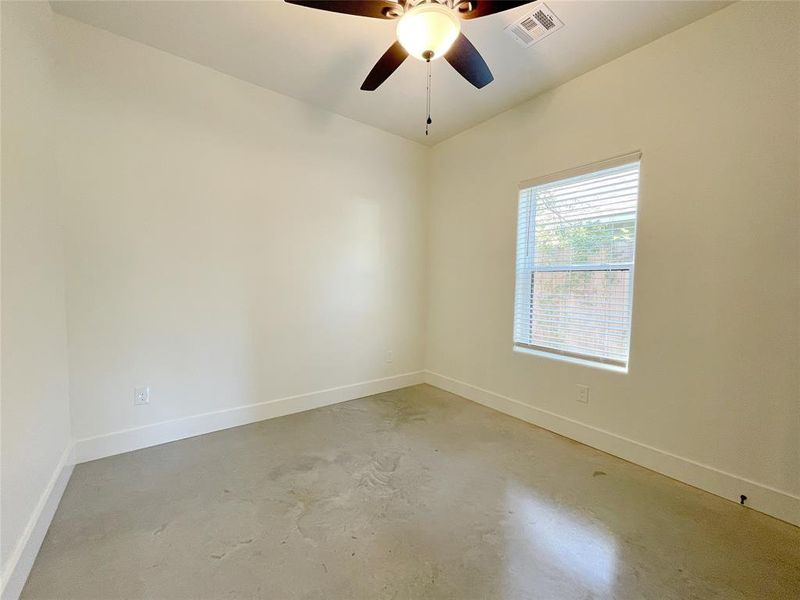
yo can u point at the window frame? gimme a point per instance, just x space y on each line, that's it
607 363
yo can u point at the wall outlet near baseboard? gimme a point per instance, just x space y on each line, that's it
583 394
141 395
389 356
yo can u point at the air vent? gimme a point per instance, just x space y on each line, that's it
535 26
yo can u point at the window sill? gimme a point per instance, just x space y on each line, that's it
573 360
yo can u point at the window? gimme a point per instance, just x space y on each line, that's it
576 241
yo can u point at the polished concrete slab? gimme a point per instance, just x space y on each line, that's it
415 493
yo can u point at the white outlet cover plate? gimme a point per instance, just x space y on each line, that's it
141 395
583 394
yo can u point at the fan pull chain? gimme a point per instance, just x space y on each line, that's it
428 106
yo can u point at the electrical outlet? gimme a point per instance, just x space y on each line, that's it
141 395
583 394
389 356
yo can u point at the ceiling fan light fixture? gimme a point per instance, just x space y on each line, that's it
428 30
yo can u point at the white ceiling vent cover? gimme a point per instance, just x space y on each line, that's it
535 25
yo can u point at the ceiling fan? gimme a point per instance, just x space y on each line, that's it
426 30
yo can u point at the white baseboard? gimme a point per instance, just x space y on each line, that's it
169 431
760 497
19 564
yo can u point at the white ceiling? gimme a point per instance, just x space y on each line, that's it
323 57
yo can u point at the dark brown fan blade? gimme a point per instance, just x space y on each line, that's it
377 9
465 59
482 8
386 65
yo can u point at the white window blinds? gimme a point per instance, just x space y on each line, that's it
575 255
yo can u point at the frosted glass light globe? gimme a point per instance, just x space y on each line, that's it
428 28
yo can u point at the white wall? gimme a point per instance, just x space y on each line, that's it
226 245
715 109
35 405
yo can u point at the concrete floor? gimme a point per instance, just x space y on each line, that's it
410 494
